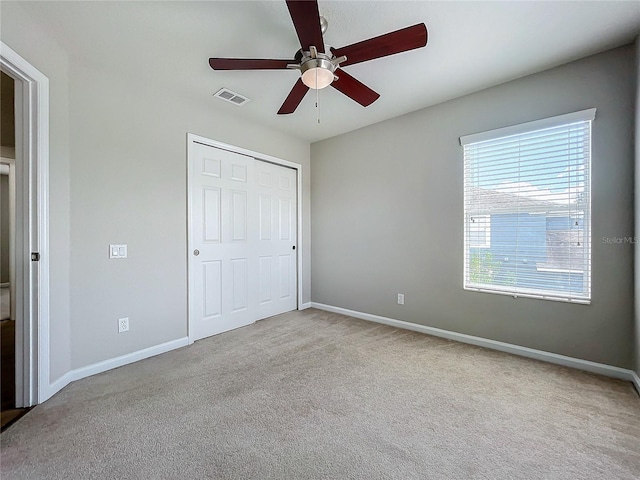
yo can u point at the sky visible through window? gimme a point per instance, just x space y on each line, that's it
534 169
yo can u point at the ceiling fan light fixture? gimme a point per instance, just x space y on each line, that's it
317 73
324 78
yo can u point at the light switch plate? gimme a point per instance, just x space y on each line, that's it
117 251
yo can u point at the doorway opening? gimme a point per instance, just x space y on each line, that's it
11 408
24 263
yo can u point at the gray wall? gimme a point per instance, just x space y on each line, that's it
4 229
26 37
637 211
118 175
387 214
128 185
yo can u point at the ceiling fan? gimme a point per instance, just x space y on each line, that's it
320 68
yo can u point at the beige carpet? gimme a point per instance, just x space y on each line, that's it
313 395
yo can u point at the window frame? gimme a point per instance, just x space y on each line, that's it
587 115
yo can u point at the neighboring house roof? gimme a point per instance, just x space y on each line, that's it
488 202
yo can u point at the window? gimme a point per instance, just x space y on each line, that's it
527 209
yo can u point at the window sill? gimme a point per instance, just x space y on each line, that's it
528 293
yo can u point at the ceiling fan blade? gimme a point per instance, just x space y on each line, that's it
249 64
306 19
388 44
294 98
354 89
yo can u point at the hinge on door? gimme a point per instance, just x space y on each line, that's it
35 256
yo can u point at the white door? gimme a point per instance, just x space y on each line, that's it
243 224
276 189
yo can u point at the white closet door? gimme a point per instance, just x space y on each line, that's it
277 214
243 227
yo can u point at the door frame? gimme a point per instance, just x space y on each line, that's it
32 183
193 139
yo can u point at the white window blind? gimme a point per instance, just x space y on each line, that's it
480 231
527 188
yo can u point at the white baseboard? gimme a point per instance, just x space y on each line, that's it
587 365
636 381
304 306
56 386
112 363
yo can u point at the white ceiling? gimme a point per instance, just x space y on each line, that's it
472 45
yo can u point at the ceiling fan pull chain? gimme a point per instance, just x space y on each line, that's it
317 98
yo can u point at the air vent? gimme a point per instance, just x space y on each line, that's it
232 97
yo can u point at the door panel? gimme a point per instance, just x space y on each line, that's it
265 217
211 166
277 239
285 276
212 288
284 219
240 284
265 278
243 226
239 172
221 213
239 215
211 215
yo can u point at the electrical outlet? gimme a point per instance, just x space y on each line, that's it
123 324
401 299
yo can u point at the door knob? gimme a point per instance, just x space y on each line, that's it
196 252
